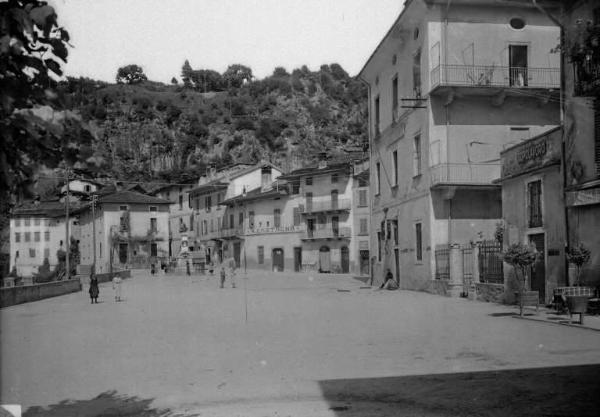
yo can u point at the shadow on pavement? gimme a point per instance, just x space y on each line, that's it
552 391
107 404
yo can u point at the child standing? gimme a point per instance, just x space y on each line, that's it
116 283
94 289
222 276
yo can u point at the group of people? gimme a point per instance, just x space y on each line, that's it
94 290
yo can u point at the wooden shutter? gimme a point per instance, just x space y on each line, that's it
597 135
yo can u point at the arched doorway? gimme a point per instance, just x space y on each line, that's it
345 260
277 260
324 259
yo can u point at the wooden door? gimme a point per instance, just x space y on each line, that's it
345 253
278 260
538 270
324 259
517 62
297 259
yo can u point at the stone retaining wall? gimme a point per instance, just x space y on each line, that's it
27 293
489 292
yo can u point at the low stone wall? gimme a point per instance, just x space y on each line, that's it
489 292
27 293
439 287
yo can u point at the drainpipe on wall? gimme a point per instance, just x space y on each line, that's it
563 113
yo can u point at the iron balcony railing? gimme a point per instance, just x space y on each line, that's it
494 76
278 229
328 233
312 206
230 232
464 173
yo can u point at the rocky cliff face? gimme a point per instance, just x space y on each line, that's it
150 130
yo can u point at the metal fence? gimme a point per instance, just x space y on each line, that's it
442 263
467 254
490 262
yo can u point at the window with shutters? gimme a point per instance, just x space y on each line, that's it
296 216
231 221
277 218
17 237
47 236
376 121
419 241
241 219
309 180
534 202
362 198
31 253
597 132
378 178
296 187
261 255
153 227
417 156
153 249
36 222
364 228
27 221
36 236
27 236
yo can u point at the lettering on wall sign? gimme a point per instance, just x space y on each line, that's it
533 151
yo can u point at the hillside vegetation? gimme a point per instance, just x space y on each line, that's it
148 130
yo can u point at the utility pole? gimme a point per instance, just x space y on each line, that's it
67 237
94 200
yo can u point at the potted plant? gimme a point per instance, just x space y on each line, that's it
520 256
578 256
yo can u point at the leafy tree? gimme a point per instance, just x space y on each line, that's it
578 256
280 72
174 81
206 80
186 74
236 75
32 49
338 72
131 74
520 257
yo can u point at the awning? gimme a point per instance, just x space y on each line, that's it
583 197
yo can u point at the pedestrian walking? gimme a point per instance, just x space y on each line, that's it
230 269
116 284
222 273
94 289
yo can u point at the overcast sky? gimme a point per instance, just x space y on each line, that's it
160 34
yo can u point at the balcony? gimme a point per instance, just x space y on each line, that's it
482 77
464 174
328 233
230 233
270 230
326 206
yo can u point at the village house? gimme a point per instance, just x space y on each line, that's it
181 215
452 85
533 209
129 230
213 231
38 232
581 25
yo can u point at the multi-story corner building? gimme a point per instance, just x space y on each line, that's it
38 232
267 224
181 215
581 23
129 230
326 208
311 219
214 231
450 86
